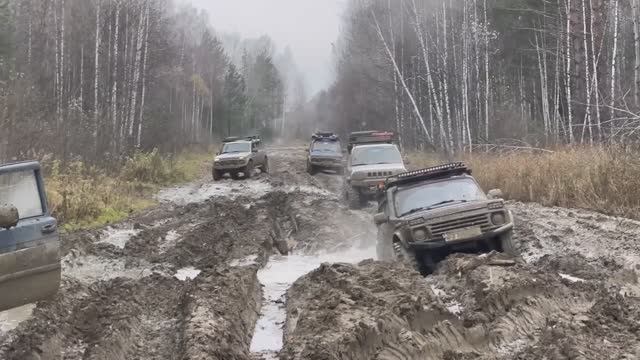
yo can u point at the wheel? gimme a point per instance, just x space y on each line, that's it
217 175
340 171
353 197
405 256
384 248
235 175
311 169
265 167
508 244
248 170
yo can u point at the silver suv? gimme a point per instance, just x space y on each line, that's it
240 156
368 167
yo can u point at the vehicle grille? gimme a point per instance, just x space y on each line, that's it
379 174
231 162
439 228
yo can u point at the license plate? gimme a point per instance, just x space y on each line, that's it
463 234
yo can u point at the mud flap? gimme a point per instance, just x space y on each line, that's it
29 275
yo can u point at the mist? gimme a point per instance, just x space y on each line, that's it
307 27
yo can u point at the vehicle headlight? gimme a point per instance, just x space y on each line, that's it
498 218
420 234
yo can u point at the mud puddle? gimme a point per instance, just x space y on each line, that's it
277 277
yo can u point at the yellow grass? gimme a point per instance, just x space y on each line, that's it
86 197
604 179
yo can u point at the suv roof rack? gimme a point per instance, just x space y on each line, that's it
324 135
253 138
435 172
371 137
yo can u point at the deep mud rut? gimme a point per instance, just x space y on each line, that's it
276 267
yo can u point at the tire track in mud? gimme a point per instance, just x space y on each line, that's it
121 297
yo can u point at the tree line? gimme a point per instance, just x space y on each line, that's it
99 79
460 75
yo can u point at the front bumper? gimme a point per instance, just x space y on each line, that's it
368 186
227 166
460 243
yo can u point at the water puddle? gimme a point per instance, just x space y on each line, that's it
188 273
117 237
89 269
196 193
279 274
10 319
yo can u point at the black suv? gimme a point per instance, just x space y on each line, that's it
325 153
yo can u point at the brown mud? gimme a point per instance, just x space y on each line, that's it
188 279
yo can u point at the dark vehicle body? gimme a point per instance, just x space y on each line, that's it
29 244
240 155
325 153
428 214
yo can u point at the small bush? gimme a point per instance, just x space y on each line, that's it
604 179
82 196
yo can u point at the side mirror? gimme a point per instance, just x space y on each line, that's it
9 216
380 218
495 194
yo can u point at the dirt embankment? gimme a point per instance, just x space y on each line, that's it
473 308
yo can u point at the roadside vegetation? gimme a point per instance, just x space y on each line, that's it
83 196
603 179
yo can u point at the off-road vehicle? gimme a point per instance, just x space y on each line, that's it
240 155
325 153
427 214
29 244
373 157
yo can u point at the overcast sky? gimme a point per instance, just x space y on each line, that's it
308 27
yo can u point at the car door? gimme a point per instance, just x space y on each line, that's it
29 252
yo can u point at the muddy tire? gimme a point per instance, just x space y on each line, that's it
248 170
217 175
353 197
405 256
508 244
311 169
340 171
235 175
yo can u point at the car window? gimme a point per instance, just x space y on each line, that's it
326 146
20 189
371 155
236 147
442 192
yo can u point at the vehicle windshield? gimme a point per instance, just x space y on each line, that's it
326 146
20 189
236 147
371 155
420 197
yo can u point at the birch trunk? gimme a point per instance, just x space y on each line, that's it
96 76
404 84
115 141
144 72
613 61
636 47
136 73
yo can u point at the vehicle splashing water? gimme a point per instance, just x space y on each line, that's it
276 277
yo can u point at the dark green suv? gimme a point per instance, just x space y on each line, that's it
427 214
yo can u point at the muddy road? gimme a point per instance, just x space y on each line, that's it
275 267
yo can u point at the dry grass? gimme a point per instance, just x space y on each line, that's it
81 196
602 179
